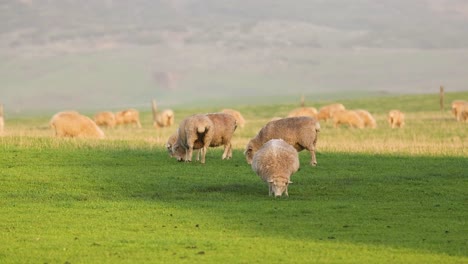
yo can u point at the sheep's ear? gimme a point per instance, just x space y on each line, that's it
270 181
290 182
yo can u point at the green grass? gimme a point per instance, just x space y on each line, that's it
376 196
110 203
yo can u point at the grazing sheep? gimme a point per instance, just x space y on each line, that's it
237 115
105 119
457 108
348 117
194 128
274 163
2 121
224 127
73 124
128 116
327 112
162 119
396 118
304 111
368 119
300 132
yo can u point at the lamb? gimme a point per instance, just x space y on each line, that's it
300 132
106 118
194 128
327 112
237 115
457 108
128 116
162 119
73 124
396 118
348 117
304 111
368 119
274 163
224 127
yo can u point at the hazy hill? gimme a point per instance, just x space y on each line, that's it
116 53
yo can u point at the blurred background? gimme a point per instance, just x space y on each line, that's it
113 54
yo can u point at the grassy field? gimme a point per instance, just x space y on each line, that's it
376 196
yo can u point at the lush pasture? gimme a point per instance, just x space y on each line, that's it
381 196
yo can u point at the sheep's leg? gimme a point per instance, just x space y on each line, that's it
188 154
270 189
198 154
286 191
227 149
203 153
313 160
229 155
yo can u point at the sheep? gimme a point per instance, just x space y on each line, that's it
457 107
162 119
274 163
304 111
327 112
464 112
73 124
237 115
106 118
348 117
224 127
128 116
368 119
300 132
194 128
396 118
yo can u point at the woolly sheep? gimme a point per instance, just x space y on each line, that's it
347 117
224 127
128 116
464 113
457 108
396 118
274 163
237 115
304 111
73 124
162 119
326 112
194 128
105 119
368 119
300 132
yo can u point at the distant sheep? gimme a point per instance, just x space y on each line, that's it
299 132
128 116
396 119
327 112
194 128
105 119
224 127
348 117
162 119
304 111
464 113
274 163
73 124
237 115
368 119
457 109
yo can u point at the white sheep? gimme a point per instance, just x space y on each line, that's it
162 119
347 117
274 163
300 132
326 112
224 127
192 129
396 118
237 115
369 120
73 124
105 118
457 109
128 116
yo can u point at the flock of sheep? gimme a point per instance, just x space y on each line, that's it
272 153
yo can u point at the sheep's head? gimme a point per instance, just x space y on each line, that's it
249 152
178 152
279 186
